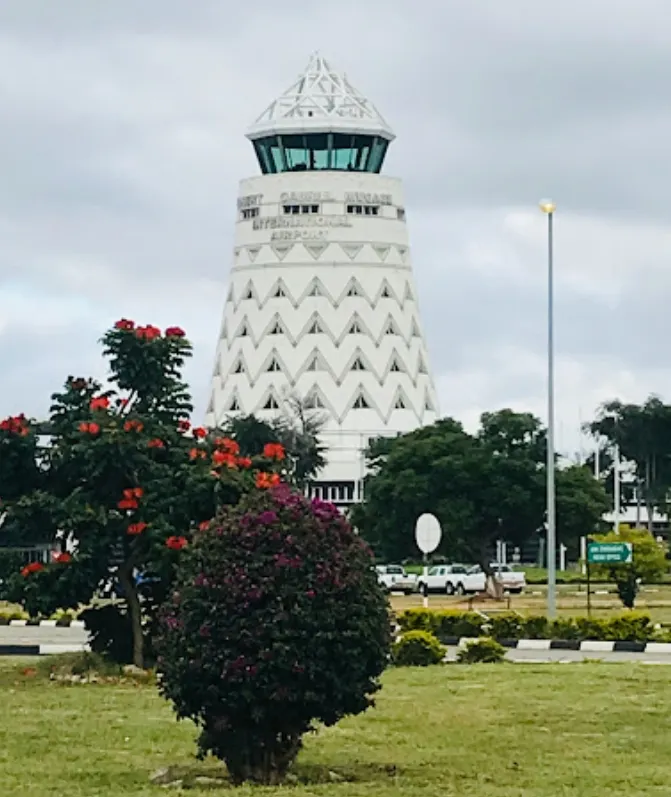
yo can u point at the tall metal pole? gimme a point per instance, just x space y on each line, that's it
616 490
549 208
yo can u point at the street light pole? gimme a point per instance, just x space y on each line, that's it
548 207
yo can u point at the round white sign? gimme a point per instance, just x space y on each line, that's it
427 533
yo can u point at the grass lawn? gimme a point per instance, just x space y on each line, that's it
591 730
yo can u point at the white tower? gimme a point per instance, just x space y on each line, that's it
322 302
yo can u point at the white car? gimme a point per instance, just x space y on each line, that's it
394 579
513 581
452 580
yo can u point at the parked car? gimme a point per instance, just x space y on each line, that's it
394 579
452 580
513 581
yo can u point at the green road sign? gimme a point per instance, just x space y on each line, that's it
612 553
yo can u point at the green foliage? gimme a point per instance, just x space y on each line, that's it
649 562
643 435
442 624
297 429
123 483
630 626
481 651
481 487
277 622
417 649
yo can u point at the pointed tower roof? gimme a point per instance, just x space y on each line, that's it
321 100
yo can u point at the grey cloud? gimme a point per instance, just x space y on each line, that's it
121 128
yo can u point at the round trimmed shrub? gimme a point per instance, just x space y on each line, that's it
277 622
417 649
481 651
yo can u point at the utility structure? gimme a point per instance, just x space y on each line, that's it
322 303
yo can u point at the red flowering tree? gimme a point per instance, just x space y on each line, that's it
277 622
123 483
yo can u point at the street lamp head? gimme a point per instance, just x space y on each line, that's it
547 206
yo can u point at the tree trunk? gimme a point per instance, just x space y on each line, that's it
129 588
263 762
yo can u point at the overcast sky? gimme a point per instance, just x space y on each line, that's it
121 145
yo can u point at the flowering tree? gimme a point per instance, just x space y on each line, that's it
124 481
277 622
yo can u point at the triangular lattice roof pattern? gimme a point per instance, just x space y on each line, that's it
321 100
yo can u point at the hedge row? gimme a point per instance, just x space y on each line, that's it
629 627
62 620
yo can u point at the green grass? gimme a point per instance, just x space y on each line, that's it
484 731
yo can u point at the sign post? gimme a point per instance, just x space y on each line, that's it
427 535
606 553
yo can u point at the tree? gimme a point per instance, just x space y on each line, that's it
297 429
482 487
649 562
277 622
643 435
581 504
124 481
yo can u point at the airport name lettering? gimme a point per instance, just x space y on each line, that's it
281 222
358 198
299 235
250 201
306 196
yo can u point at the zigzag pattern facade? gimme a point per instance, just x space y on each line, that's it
325 309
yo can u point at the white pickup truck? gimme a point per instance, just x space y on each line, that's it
452 580
461 580
513 581
394 579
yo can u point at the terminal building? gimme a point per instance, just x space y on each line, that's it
322 301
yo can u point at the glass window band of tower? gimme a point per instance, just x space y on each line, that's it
321 151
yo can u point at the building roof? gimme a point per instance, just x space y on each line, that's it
321 100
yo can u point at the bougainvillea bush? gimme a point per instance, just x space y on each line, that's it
120 487
277 623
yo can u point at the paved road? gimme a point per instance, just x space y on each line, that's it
39 635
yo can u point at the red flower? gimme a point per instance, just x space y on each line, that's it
176 543
100 403
266 480
174 332
228 445
244 462
128 503
224 458
133 492
156 443
124 323
273 451
204 525
199 433
148 333
33 567
184 425
131 426
136 528
89 428
197 453
17 424
62 558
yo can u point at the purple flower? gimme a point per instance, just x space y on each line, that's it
267 518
